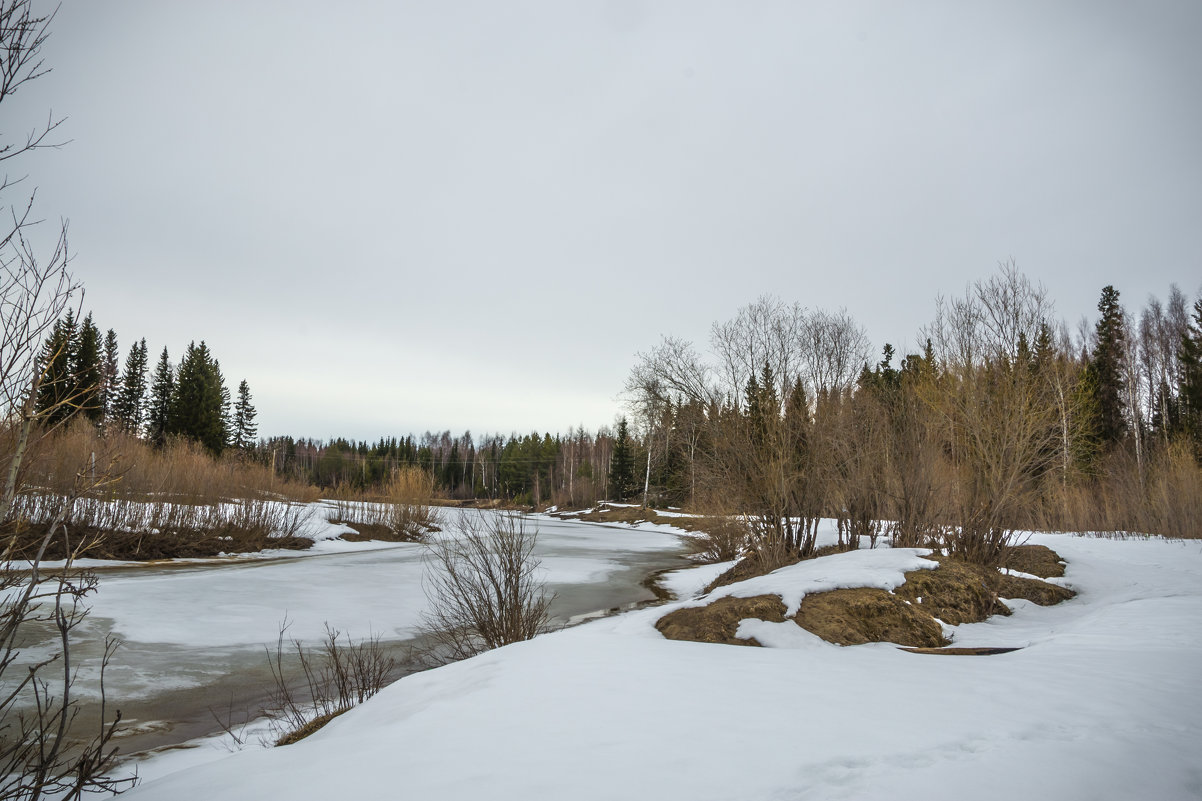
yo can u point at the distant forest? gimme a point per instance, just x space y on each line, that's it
788 410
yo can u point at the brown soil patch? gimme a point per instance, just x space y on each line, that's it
618 514
856 616
1039 592
751 566
719 621
376 532
746 568
1037 560
147 546
955 592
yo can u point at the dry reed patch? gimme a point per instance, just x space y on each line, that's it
719 621
1035 560
863 614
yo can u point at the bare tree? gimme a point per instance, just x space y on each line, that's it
40 754
995 403
483 587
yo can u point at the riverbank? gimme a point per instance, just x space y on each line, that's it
1097 702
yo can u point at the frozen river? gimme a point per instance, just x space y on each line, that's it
194 635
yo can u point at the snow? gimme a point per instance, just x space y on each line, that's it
882 568
690 582
1101 702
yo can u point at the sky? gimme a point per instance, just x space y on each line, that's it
397 217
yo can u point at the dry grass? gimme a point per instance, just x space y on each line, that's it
717 622
152 504
182 471
955 592
1162 496
860 615
404 512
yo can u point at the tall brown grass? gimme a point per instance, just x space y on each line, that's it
152 503
1162 496
181 471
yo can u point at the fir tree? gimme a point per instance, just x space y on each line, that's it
198 404
109 389
1105 369
621 466
244 429
129 405
162 389
56 394
87 371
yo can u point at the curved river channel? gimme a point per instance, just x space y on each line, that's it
194 635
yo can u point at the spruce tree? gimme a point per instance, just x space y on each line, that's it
621 465
245 428
109 389
198 403
87 371
129 406
162 389
57 389
1105 367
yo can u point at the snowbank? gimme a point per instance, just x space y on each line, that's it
1101 702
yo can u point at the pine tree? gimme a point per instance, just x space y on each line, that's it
1105 368
244 428
56 393
621 466
129 405
162 389
109 389
198 404
87 371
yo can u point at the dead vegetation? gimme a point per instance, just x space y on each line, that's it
404 512
955 592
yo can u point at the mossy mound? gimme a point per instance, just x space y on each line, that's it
860 615
1035 560
718 621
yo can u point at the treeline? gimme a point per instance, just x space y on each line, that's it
80 378
539 469
1003 421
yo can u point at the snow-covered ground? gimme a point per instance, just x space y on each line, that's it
1100 702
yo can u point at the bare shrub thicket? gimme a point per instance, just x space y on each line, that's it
333 677
403 512
997 409
483 586
751 406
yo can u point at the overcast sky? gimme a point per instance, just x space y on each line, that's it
390 217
